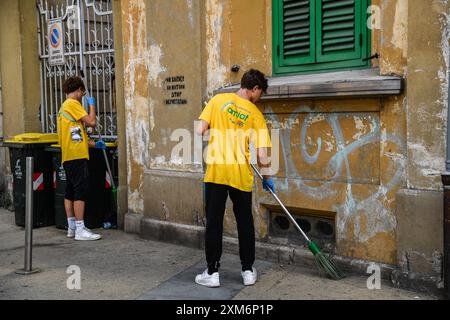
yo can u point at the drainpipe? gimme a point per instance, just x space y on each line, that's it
446 184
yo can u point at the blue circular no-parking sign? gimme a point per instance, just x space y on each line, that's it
55 35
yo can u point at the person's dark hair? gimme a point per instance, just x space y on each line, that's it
73 84
253 78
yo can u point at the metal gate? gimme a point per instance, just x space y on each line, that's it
87 44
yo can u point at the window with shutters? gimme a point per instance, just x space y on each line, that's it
320 35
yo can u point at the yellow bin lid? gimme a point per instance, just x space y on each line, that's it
108 144
34 138
112 144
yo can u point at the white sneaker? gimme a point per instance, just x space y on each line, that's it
70 233
86 235
249 277
208 280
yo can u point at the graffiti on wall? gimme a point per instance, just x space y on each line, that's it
340 161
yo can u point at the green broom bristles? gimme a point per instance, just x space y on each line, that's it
325 264
114 194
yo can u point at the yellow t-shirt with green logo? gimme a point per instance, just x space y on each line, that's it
72 134
234 123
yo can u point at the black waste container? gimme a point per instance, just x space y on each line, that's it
59 186
112 154
32 145
98 207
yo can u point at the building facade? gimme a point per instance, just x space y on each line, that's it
358 92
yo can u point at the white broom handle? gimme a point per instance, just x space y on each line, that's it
282 205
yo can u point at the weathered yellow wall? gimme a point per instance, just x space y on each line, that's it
341 156
176 76
428 62
152 55
349 157
317 167
394 40
137 57
121 119
20 67
420 204
353 155
10 59
237 32
30 65
172 179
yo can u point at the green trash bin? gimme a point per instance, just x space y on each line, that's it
32 145
98 203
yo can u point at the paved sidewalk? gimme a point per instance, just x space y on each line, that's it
124 266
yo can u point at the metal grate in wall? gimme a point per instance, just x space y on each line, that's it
319 229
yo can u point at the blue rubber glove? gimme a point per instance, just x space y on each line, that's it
268 184
100 144
90 101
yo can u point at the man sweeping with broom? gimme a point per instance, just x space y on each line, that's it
229 172
228 117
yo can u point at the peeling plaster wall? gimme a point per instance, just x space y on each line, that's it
175 89
139 72
324 142
153 58
393 46
349 157
228 23
172 179
421 203
427 93
341 156
217 59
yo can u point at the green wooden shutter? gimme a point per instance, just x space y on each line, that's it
319 35
296 23
339 30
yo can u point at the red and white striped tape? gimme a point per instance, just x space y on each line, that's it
38 181
107 181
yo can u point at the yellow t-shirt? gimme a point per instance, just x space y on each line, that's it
234 123
72 134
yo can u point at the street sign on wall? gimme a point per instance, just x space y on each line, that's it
55 42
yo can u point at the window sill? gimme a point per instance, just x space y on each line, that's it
356 83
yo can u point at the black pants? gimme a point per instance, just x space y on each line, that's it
77 179
216 196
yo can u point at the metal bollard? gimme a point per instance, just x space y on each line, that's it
28 220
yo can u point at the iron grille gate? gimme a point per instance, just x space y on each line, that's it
87 26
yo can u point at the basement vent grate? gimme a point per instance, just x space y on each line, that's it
319 229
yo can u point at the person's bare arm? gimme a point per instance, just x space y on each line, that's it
263 162
202 127
90 120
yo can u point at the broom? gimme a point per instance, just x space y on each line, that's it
323 262
113 185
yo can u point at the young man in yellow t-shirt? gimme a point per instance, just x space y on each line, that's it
73 139
233 122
